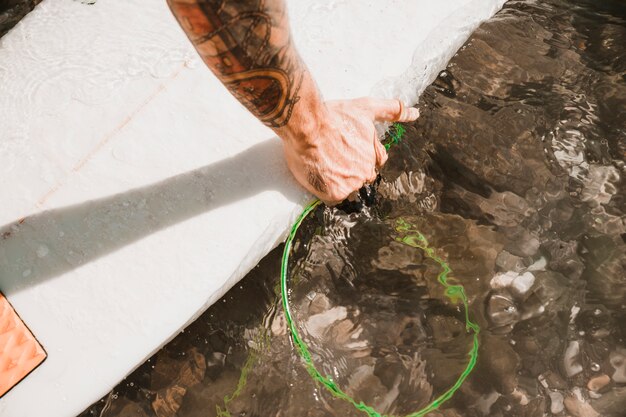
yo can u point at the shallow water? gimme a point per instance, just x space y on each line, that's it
514 175
12 11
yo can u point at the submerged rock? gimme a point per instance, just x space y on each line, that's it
571 363
502 310
576 405
598 382
518 283
618 362
612 403
556 402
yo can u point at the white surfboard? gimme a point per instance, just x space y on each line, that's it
135 191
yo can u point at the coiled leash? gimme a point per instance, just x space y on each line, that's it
408 235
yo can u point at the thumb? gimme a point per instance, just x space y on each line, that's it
392 110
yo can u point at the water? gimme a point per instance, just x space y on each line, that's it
514 175
12 11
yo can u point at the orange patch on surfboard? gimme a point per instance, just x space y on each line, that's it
20 352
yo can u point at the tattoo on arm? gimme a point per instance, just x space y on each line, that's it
247 44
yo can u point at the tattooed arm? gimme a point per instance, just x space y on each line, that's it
331 147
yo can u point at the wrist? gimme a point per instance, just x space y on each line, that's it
307 116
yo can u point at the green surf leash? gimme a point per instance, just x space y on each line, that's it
410 236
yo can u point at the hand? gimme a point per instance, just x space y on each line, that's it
331 148
342 152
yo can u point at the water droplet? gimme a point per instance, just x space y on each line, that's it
42 251
595 367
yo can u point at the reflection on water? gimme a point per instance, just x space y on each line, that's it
514 175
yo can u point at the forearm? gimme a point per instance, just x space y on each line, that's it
331 148
247 44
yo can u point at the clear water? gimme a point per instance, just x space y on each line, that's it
514 174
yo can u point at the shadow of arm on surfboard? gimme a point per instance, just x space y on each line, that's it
75 235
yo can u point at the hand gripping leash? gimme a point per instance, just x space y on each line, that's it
410 236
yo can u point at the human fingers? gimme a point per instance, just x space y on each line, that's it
381 153
392 110
372 177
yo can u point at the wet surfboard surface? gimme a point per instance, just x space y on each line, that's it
136 191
